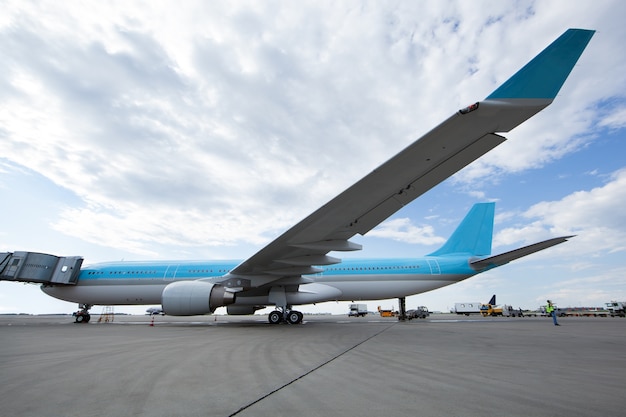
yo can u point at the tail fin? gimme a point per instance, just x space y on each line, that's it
473 236
493 300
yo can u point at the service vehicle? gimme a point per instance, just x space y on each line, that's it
420 312
387 313
358 310
616 308
498 310
467 308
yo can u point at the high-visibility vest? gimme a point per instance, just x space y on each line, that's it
549 309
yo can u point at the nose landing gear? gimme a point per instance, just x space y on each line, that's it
82 315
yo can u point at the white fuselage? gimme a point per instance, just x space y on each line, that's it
143 283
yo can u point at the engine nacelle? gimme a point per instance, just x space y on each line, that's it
192 298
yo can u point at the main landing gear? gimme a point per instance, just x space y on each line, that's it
285 316
402 312
82 315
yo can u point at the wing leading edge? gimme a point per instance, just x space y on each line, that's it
449 147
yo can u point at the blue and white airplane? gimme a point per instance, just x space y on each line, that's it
295 268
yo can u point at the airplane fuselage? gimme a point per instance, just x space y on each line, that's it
138 283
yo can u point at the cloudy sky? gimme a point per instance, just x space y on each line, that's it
202 130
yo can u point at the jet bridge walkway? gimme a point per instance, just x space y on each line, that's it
40 268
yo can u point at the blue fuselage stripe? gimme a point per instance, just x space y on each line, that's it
137 271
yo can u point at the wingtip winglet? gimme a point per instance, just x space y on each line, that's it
544 75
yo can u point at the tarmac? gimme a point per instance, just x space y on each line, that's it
327 366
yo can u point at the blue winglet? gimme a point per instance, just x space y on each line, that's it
544 76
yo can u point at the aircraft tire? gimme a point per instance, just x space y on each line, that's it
275 317
294 317
82 318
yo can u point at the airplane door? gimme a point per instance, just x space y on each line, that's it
434 267
170 272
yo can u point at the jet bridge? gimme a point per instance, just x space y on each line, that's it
39 268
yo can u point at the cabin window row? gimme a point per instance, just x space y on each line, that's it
375 268
194 271
121 272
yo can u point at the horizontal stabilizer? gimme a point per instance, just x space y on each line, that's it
504 258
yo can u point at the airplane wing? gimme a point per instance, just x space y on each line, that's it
455 143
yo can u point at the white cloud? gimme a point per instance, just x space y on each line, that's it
596 216
225 123
616 119
403 230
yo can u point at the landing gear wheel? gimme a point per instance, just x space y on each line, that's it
275 317
82 315
82 318
294 317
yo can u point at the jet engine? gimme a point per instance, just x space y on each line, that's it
191 298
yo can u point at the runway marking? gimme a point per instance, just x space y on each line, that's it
483 320
357 322
311 371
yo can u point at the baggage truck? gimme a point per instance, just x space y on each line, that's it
500 310
358 310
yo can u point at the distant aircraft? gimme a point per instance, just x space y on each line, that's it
154 310
295 268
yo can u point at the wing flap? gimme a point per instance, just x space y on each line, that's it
310 260
425 182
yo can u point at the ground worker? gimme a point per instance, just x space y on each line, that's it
551 311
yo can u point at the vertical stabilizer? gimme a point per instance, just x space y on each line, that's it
473 236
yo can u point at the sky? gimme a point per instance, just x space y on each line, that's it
203 130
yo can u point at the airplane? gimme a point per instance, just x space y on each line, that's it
296 268
155 310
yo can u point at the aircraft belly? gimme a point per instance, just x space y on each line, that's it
355 287
358 287
306 294
108 294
